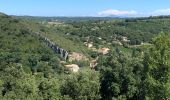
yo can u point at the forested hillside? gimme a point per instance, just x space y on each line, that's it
109 59
137 30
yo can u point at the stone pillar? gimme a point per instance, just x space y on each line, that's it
61 51
66 55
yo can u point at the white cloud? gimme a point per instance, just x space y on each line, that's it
161 12
133 13
110 12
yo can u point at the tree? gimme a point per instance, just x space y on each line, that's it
120 77
49 89
18 84
1 88
156 80
84 85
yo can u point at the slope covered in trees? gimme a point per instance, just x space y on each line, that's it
30 70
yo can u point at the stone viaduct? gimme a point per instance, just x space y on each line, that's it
63 53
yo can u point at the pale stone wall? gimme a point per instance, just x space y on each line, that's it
63 53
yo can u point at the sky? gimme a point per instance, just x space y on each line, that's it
99 8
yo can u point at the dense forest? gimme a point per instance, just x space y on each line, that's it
136 65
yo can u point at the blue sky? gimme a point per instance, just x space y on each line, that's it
85 7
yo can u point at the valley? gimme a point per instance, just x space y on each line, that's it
84 58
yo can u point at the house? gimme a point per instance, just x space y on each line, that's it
93 63
73 67
99 38
104 50
67 33
76 56
89 45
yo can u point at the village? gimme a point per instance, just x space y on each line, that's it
75 56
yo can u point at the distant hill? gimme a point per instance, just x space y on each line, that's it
66 19
2 14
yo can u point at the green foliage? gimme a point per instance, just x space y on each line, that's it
137 30
82 86
18 84
157 69
23 58
30 70
49 89
120 77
